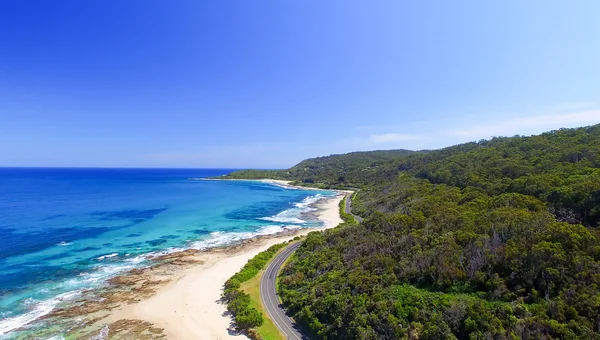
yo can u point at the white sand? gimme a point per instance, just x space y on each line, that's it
189 307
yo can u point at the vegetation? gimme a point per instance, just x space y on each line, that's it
335 171
561 169
268 330
239 303
346 217
492 239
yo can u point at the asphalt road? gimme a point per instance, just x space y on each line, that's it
268 295
268 287
348 208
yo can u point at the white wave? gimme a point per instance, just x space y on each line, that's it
107 256
100 274
36 310
104 272
29 302
283 186
293 215
75 286
306 203
57 337
274 229
282 219
219 239
137 259
64 243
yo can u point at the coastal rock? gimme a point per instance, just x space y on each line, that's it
178 255
127 329
134 329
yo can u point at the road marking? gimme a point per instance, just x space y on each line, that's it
271 276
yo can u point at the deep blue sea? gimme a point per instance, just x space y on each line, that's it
65 230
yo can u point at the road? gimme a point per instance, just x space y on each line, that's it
268 295
268 287
348 208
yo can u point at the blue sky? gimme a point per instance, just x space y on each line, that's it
269 83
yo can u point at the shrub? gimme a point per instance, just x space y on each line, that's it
238 302
249 318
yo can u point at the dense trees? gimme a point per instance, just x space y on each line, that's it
560 168
503 268
492 239
333 171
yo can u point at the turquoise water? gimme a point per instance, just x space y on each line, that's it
66 230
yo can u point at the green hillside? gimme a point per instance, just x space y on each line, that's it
490 240
560 168
333 171
495 239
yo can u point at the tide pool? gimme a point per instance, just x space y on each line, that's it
66 230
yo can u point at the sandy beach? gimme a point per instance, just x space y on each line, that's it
188 306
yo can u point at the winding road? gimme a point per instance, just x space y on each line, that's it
270 300
268 287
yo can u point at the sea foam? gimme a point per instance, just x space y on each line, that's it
282 219
293 215
107 256
37 309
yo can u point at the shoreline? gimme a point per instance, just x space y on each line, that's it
185 303
276 182
112 309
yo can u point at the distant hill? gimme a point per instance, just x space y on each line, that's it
334 171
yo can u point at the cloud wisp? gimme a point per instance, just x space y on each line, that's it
392 137
442 133
528 124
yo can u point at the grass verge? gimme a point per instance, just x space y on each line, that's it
242 297
347 218
268 330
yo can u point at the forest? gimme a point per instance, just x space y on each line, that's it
335 171
496 239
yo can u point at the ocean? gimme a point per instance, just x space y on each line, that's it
63 231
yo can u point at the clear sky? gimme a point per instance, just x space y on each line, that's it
269 83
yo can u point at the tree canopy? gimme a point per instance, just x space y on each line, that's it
490 239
